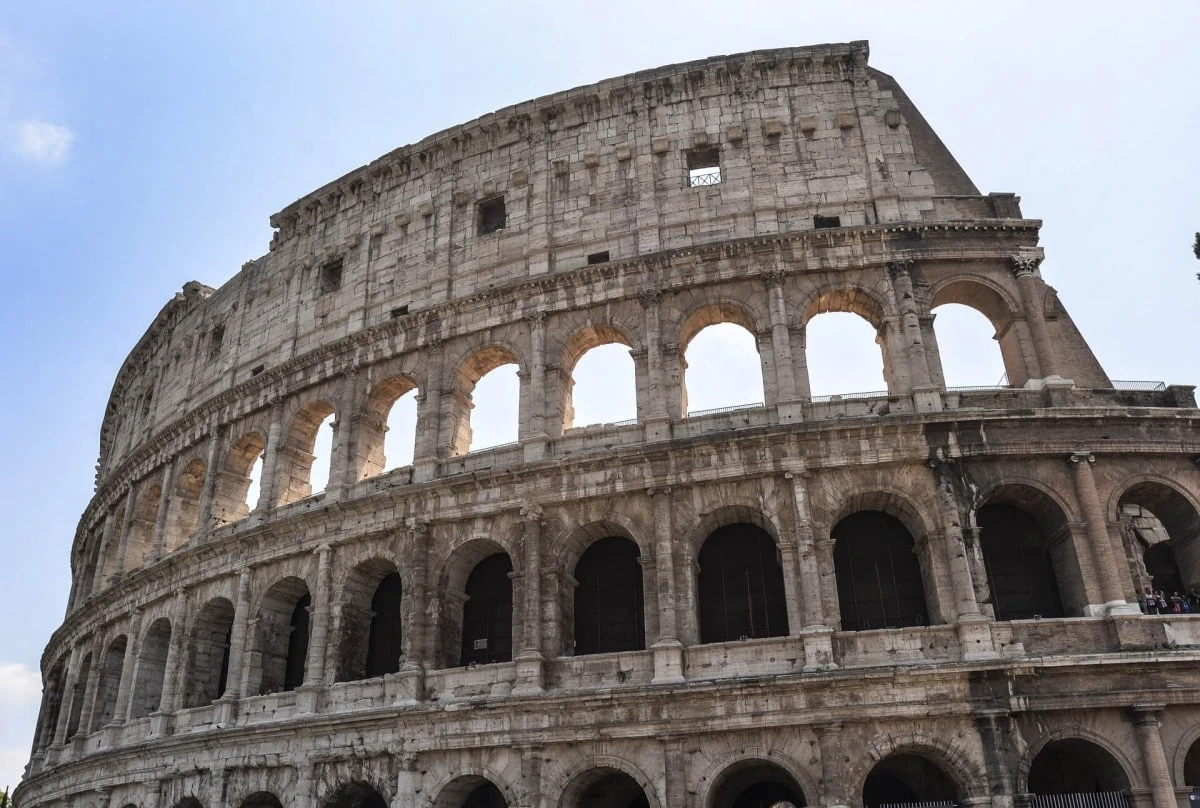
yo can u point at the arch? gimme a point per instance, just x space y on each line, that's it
965 348
740 585
1178 515
610 607
756 783
235 480
151 669
619 376
842 350
993 302
52 700
189 802
849 299
1189 771
81 684
376 431
880 580
371 629
208 653
722 359
488 612
140 541
1074 765
471 791
909 778
185 505
355 794
261 799
605 787
296 463
108 684
280 648
1028 554
451 596
470 371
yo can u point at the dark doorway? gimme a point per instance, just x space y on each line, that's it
1020 569
741 586
486 795
297 650
384 644
1163 568
487 614
908 780
1075 766
609 610
757 784
878 575
356 795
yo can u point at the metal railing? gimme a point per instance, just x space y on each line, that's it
1093 799
718 410
1138 385
929 804
850 396
701 177
970 388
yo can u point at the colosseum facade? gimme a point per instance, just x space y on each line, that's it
924 596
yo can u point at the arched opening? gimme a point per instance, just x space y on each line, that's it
208 653
740 585
604 787
1162 531
967 347
140 541
1191 766
602 386
52 698
372 628
844 354
1020 567
238 485
185 503
113 524
281 646
81 683
908 780
975 335
609 607
1073 766
471 791
357 794
387 433
109 683
722 368
879 579
487 612
756 784
1025 539
305 460
487 380
189 802
262 799
151 669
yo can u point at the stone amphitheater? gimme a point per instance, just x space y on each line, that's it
924 596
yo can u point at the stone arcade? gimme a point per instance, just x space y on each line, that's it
925 595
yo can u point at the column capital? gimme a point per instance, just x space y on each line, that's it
1147 714
650 297
899 266
531 511
773 278
1026 262
651 491
537 319
1082 457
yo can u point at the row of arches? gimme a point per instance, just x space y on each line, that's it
1076 771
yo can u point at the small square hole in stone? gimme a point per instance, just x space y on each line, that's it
704 166
330 279
822 222
598 258
492 216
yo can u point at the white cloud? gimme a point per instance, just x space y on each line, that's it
48 144
12 765
19 685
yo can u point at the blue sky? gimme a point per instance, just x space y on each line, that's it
145 145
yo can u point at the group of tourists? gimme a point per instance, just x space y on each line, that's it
1151 602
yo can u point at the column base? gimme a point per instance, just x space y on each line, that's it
308 698
1121 608
818 648
927 399
534 449
657 429
790 412
530 675
425 470
410 687
975 638
1129 633
226 711
160 724
668 662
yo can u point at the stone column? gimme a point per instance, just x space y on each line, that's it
70 681
993 732
974 633
814 625
268 486
1098 537
164 509
668 651
1146 723
429 445
781 346
99 581
93 686
531 776
126 529
132 649
827 568
174 668
829 740
318 638
1029 283
239 636
208 495
675 792
529 658
913 343
533 420
416 627
656 375
408 779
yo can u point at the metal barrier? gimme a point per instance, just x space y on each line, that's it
1138 385
850 396
1091 799
717 410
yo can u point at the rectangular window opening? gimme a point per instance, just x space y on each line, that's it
257 369
330 279
492 216
214 342
399 311
598 258
704 166
822 222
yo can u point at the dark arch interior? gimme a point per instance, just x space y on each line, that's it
297 649
741 585
878 575
1191 766
209 653
757 785
189 802
1181 522
487 614
606 788
262 799
356 795
486 796
609 608
1020 569
1075 766
906 780
384 645
1163 568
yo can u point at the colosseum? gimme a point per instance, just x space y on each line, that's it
926 596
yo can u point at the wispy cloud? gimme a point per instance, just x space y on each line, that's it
19 685
47 144
12 765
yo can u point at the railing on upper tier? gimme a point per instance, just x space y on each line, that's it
1138 385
